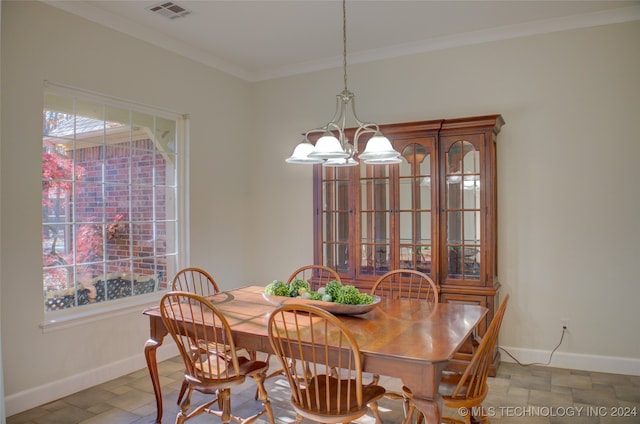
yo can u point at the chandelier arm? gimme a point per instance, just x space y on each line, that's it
364 129
315 130
362 126
340 129
343 122
339 110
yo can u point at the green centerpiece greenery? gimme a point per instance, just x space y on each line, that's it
334 291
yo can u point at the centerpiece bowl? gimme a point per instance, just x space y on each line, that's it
333 307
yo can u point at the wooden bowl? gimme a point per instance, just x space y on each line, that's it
334 308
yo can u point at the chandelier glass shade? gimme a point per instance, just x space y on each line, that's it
301 154
378 148
333 148
328 147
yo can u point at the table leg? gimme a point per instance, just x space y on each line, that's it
424 389
430 408
150 348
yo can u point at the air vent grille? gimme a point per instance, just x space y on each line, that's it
169 10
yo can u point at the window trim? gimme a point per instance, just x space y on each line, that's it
58 320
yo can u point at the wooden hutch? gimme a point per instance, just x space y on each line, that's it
435 212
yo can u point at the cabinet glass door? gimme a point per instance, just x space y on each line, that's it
375 219
336 218
463 210
415 203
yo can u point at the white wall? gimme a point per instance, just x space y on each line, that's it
2 407
43 43
569 202
567 181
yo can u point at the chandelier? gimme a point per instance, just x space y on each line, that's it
333 148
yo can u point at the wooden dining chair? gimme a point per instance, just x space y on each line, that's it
323 365
406 284
209 371
195 280
317 275
198 281
464 392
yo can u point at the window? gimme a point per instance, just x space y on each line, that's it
110 223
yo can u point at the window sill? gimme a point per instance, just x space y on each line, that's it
54 321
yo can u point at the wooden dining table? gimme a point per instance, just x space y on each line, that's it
409 339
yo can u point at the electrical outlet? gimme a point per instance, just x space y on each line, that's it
565 323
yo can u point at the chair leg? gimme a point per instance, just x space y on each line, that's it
183 389
481 419
225 405
272 374
256 396
408 414
410 409
376 413
375 378
264 397
184 407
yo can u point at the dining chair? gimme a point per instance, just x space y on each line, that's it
317 275
209 371
464 392
323 365
406 284
195 280
198 281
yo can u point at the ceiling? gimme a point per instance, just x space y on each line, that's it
264 39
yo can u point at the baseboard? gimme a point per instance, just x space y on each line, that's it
577 361
31 398
22 401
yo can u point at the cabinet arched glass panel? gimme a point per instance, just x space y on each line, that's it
462 176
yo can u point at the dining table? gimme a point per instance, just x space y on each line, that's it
412 340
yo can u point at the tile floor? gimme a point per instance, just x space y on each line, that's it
522 395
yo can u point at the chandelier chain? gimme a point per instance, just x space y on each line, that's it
333 148
344 41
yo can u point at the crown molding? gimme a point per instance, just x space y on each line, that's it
134 29
94 14
613 16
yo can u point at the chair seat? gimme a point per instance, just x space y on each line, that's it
317 387
246 368
449 382
250 367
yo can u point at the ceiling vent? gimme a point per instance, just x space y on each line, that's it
169 10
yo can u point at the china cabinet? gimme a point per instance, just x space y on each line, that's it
435 211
